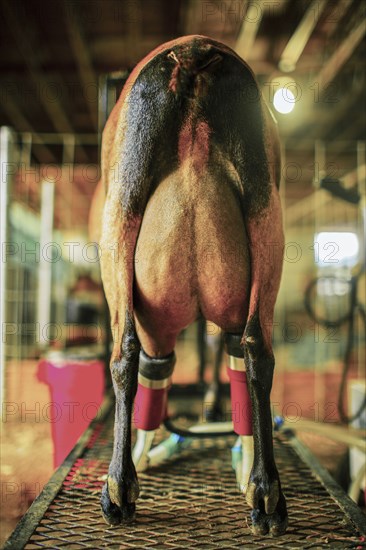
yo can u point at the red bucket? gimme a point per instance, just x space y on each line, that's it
76 393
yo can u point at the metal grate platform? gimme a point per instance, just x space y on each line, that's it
190 502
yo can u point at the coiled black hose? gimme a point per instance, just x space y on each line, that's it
355 308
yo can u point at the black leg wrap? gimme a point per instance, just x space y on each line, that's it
232 344
156 368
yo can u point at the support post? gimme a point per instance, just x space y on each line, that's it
6 174
45 266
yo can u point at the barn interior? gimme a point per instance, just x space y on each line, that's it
63 64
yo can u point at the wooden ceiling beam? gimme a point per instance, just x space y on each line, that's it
19 121
82 56
296 45
305 207
193 16
334 64
338 12
249 28
24 43
215 18
231 19
355 128
252 12
324 122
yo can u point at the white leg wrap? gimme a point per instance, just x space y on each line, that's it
141 449
247 445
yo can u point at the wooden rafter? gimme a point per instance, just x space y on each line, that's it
249 28
82 56
296 45
339 10
325 122
304 207
18 120
53 108
330 70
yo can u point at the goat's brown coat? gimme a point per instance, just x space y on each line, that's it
192 225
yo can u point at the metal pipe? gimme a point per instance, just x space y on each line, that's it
6 136
296 45
45 265
249 29
334 64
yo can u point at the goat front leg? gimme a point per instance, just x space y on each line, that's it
121 490
264 494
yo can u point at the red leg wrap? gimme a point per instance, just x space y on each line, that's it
150 407
241 405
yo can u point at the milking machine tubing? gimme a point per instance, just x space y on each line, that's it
353 197
355 307
199 387
193 434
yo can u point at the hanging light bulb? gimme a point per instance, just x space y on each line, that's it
286 94
284 101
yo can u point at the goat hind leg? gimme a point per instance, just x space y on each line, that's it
121 490
264 494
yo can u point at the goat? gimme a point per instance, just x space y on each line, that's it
191 227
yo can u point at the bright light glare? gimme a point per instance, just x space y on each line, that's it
284 101
336 249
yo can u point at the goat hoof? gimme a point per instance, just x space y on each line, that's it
114 514
275 524
278 526
123 492
268 492
118 499
259 523
111 513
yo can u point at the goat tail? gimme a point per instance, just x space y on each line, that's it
188 77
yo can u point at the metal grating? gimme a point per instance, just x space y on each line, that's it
190 502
